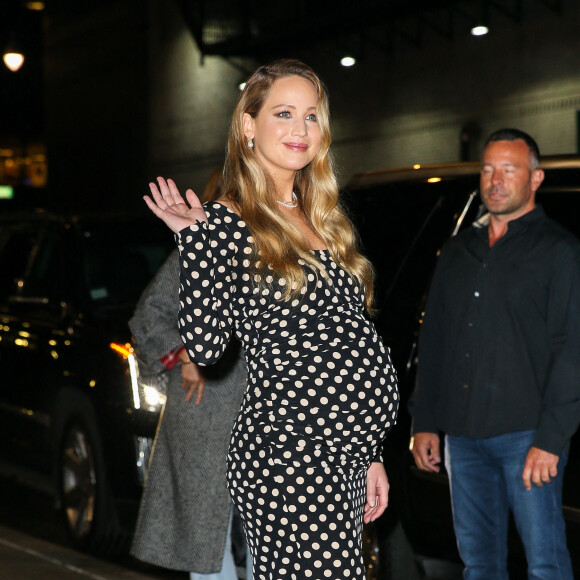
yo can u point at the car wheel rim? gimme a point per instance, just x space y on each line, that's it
79 483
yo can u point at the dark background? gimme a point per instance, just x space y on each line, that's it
114 92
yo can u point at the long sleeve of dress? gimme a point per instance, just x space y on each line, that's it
154 322
208 259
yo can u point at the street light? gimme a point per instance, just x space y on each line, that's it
13 59
13 55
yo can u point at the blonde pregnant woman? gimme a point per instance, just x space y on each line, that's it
275 260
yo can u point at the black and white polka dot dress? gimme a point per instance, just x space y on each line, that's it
321 397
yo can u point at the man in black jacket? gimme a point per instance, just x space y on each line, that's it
499 369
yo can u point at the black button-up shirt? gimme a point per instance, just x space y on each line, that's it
499 348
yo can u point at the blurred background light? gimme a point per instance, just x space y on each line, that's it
479 30
6 192
347 61
13 60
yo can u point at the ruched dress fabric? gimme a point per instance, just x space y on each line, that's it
321 396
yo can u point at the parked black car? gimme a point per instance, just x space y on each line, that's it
75 418
404 217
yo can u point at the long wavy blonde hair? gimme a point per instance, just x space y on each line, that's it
249 188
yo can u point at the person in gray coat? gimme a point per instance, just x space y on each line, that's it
185 515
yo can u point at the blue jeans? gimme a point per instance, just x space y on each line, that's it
228 570
486 482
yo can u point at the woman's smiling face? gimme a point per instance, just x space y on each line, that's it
285 132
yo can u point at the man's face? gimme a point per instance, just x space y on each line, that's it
508 184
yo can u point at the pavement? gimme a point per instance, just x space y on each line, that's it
24 557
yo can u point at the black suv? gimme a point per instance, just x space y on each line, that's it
404 216
75 418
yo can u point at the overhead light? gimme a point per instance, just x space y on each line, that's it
13 60
35 5
480 30
434 180
347 61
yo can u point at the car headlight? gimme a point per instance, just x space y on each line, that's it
147 396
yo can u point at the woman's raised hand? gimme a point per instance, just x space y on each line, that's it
168 205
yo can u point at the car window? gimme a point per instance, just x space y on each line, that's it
403 224
404 292
120 262
119 273
46 276
15 255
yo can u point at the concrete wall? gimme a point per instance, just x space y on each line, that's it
411 106
392 109
191 100
130 97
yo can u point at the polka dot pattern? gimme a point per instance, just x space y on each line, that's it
321 396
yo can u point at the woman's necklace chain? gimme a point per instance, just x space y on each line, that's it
287 203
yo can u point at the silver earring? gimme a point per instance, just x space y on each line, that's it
251 143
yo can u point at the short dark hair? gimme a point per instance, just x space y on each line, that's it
509 134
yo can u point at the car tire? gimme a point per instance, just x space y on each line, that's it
84 498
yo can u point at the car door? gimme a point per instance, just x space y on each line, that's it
32 318
16 249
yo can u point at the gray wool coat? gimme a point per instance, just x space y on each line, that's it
184 511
